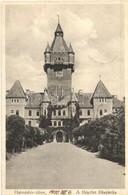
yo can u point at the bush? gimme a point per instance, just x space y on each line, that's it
19 136
106 135
15 129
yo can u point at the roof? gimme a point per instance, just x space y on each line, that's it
84 100
70 50
59 29
16 91
73 97
64 101
117 103
45 96
59 45
101 91
34 99
47 49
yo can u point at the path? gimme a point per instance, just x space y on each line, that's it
62 165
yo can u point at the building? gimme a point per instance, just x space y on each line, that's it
59 67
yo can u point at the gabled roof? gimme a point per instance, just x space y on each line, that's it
34 100
16 91
84 100
117 103
101 91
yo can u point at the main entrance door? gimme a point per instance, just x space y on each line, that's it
59 136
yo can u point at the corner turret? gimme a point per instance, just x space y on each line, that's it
71 55
47 54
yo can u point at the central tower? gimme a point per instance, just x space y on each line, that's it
59 65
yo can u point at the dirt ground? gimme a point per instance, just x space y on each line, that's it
62 166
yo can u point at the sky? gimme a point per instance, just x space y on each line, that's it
96 33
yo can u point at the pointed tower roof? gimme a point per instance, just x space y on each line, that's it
73 97
16 91
46 97
70 50
59 44
101 90
59 29
48 49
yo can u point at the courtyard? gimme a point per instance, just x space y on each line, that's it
62 166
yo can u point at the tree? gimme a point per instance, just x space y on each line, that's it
44 122
113 141
15 129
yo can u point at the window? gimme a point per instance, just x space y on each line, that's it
45 112
17 112
37 113
88 112
80 112
59 73
54 112
59 90
29 123
54 124
17 100
59 113
64 113
12 100
101 112
12 111
105 110
102 100
59 123
30 113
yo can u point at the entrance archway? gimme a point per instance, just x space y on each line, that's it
59 136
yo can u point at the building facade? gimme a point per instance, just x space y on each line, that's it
59 67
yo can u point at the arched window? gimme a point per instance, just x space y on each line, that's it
29 123
80 112
54 124
30 113
64 112
54 112
88 112
37 113
101 112
44 112
17 112
59 123
59 113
